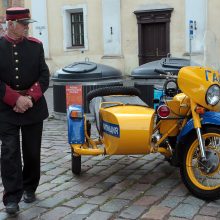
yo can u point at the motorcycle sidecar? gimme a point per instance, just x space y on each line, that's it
124 125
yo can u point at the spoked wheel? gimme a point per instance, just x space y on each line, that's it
76 163
201 177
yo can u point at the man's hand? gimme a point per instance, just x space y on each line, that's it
23 104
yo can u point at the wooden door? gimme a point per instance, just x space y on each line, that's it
154 40
153 34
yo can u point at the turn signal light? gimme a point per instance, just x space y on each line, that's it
163 111
200 110
76 114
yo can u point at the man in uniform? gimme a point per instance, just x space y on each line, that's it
24 77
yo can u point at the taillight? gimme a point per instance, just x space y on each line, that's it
200 110
163 111
76 114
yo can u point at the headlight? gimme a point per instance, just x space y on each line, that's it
213 95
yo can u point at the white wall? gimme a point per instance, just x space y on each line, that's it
111 14
40 28
196 10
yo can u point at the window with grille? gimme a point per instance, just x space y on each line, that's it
75 35
77 29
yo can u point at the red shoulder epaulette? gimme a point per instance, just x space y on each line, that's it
34 40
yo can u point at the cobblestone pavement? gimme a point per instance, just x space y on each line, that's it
110 187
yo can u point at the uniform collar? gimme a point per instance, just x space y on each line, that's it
9 39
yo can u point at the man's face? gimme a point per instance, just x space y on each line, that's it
19 29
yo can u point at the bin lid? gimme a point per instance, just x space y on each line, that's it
80 67
168 64
86 71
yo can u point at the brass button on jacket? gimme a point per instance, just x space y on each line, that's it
20 68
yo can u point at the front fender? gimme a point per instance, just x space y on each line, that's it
207 118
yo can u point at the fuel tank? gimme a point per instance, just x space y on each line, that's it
127 129
194 82
179 106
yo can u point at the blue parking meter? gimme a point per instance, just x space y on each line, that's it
191 27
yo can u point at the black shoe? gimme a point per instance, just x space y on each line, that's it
12 208
29 196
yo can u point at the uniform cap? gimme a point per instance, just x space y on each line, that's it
19 14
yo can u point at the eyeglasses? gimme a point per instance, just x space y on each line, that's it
25 23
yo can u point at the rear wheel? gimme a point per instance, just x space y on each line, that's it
76 163
114 90
202 178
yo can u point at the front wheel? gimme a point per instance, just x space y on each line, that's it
201 177
76 163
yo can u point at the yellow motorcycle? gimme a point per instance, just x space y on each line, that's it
185 128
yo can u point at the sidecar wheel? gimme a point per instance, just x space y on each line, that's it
114 90
202 178
76 163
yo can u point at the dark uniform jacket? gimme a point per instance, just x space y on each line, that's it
22 71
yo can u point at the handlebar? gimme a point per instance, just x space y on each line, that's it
166 74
